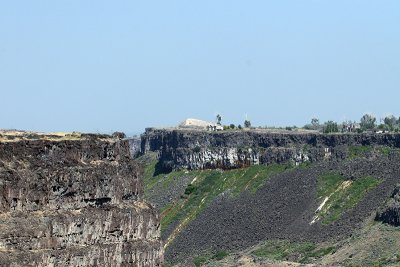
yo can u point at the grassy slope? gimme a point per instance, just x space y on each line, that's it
340 194
281 250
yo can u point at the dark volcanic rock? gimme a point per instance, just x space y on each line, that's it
134 143
190 149
391 213
119 135
75 203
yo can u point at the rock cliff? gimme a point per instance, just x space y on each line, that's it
135 144
75 202
191 149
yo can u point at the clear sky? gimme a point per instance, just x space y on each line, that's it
101 66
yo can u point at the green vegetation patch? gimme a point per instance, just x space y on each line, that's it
359 151
149 180
386 151
219 255
200 260
362 151
282 250
338 194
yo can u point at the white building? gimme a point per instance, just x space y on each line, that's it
200 124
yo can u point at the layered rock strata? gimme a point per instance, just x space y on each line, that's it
75 203
191 149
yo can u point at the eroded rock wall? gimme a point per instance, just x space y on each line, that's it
191 149
75 203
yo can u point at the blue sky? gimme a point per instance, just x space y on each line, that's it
101 66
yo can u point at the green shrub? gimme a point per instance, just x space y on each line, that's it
190 189
200 260
220 255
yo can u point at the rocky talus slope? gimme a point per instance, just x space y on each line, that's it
75 202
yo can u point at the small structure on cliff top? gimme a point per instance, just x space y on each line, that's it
200 124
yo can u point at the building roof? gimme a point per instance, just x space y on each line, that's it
195 123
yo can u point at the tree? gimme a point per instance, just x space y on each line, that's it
239 127
315 123
331 127
232 126
247 124
219 118
390 121
367 122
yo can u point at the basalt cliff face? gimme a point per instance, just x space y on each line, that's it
191 149
75 203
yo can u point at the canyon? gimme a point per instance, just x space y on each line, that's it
198 198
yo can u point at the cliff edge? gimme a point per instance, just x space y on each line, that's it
194 149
